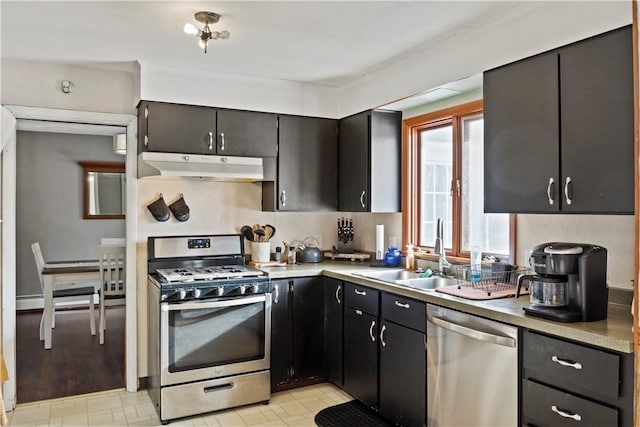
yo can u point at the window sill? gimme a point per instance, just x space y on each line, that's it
429 256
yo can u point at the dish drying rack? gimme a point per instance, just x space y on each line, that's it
487 278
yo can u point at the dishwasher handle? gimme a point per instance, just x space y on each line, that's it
471 333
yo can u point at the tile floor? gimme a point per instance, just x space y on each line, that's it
295 407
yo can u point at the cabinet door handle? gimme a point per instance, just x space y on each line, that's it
210 140
338 294
362 293
564 414
384 327
283 198
146 112
146 140
221 141
276 294
373 337
549 187
576 365
362 199
567 190
399 304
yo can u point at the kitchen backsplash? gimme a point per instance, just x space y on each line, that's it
223 207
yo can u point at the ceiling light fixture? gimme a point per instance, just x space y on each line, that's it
205 34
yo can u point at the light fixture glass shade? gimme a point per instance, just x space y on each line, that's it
202 44
191 29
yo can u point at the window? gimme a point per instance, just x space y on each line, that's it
444 179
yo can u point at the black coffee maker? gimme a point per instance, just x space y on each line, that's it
570 284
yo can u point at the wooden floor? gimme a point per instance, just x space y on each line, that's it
76 364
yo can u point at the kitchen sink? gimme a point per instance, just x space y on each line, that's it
427 283
390 275
410 279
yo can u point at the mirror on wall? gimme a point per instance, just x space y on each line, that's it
103 190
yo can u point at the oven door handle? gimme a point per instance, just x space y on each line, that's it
232 302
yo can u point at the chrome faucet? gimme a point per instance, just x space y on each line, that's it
439 247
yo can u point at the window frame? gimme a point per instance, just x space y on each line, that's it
411 190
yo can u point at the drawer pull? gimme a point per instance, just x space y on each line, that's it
363 293
359 312
218 387
373 337
564 414
549 196
399 304
559 361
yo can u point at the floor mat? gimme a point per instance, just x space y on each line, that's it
349 414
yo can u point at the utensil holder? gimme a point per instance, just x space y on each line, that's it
260 251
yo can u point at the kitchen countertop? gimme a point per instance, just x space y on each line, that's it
613 333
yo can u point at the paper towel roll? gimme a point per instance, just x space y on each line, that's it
380 241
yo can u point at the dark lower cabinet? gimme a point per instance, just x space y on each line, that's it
361 356
403 360
333 323
384 353
566 383
297 336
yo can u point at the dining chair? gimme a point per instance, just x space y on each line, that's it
111 260
84 294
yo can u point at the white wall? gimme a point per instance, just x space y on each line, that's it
37 84
237 91
521 30
613 232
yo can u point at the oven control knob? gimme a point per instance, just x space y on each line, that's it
197 293
242 289
182 293
254 289
219 291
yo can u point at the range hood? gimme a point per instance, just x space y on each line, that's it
219 168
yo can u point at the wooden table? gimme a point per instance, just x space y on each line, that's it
63 272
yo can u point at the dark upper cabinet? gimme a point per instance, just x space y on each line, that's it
176 128
559 130
191 129
307 158
333 322
521 126
369 162
247 133
596 122
297 333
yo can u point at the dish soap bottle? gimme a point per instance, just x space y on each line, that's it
410 260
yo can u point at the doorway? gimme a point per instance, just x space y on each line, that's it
50 179
61 119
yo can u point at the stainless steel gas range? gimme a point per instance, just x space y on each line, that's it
209 326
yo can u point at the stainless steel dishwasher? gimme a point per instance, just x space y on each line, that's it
472 370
